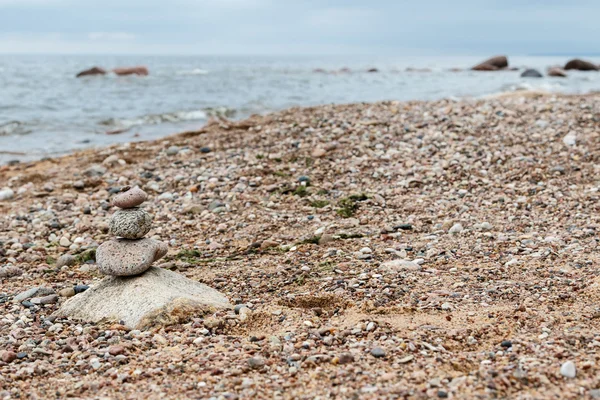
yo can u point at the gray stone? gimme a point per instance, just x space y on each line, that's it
531 73
173 150
130 198
95 171
29 293
65 260
124 257
256 362
9 271
131 223
215 204
378 352
50 299
455 229
156 298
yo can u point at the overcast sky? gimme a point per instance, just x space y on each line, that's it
415 27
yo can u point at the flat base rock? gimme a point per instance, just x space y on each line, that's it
157 297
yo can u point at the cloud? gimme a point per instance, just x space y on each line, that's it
300 26
111 36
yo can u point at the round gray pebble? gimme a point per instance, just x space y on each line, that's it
131 223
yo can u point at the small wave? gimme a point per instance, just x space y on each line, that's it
14 128
195 71
178 116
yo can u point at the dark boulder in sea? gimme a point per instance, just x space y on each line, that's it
556 72
531 73
138 70
492 64
345 70
91 71
319 71
372 70
581 65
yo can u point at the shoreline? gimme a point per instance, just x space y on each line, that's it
505 94
442 249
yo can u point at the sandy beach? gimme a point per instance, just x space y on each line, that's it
443 249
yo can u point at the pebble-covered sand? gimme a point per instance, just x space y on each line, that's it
443 249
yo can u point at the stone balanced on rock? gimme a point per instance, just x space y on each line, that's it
129 254
136 293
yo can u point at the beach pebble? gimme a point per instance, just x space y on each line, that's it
6 194
173 150
65 260
345 358
378 352
36 291
95 363
124 257
8 356
130 198
455 229
130 223
166 196
568 369
95 171
9 271
67 292
64 241
50 299
80 288
116 350
401 265
256 362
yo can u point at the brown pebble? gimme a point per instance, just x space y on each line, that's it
8 356
116 350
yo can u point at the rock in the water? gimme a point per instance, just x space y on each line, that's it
557 72
130 223
531 73
492 64
157 298
581 65
130 198
91 71
124 257
137 70
568 369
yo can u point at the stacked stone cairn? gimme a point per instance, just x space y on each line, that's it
130 253
135 293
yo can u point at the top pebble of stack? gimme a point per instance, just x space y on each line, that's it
130 198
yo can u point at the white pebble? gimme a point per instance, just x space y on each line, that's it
568 369
456 229
6 194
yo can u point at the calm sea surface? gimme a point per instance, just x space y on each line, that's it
46 111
